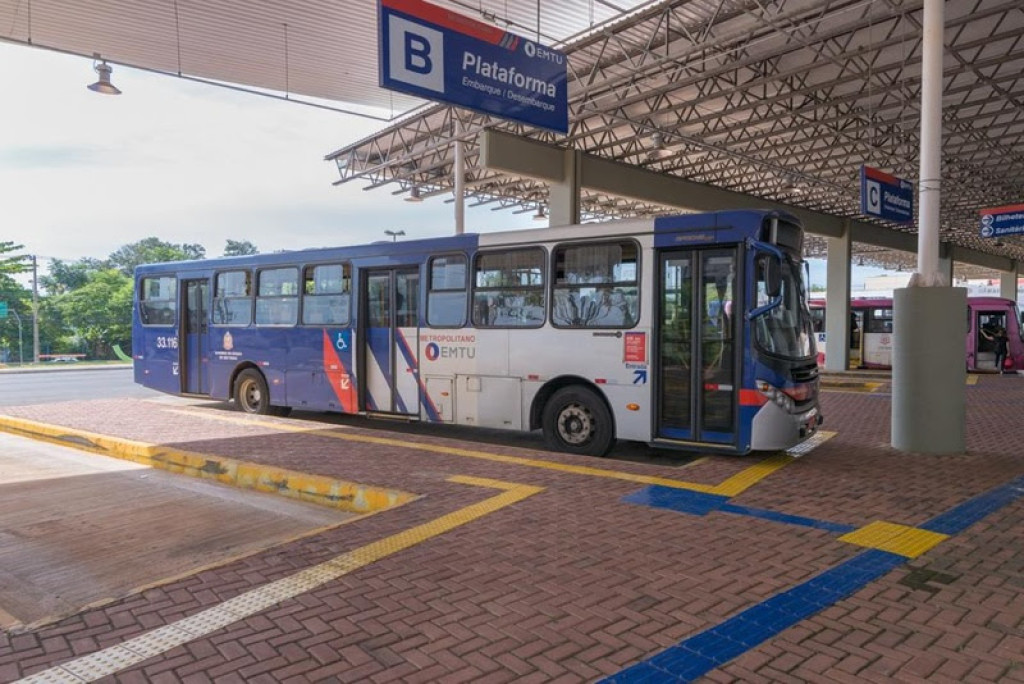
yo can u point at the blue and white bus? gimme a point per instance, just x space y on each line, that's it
687 332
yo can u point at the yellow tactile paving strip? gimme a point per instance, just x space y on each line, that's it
347 496
900 539
133 651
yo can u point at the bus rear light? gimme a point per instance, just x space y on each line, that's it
632 407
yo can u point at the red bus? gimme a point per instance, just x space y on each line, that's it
870 344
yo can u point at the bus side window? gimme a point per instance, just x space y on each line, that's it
325 294
158 304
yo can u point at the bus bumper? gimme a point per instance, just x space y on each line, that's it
774 428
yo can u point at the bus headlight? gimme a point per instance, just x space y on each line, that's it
776 396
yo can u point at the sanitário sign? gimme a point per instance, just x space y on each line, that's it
1008 220
437 54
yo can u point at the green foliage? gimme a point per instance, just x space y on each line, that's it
152 251
65 276
11 264
240 248
99 312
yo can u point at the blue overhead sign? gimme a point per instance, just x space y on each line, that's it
886 197
437 54
1008 220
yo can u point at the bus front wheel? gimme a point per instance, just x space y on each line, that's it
253 396
578 422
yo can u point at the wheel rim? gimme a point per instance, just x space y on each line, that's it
251 395
575 424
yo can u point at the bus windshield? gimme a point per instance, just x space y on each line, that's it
784 330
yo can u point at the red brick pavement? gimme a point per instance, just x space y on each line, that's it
573 584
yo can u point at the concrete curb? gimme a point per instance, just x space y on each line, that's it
339 494
57 368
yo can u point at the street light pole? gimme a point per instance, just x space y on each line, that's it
394 234
35 310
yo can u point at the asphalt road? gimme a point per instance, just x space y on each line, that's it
69 384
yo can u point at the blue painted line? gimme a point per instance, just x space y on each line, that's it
969 512
838 528
696 656
700 503
682 500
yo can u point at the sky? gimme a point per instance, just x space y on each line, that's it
82 174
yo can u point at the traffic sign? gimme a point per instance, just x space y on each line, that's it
998 221
3 309
438 54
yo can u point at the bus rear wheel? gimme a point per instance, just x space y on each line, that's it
253 396
577 421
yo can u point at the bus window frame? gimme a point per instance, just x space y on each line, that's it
613 286
173 300
251 297
346 293
542 288
466 288
257 296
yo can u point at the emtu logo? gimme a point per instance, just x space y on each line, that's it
415 54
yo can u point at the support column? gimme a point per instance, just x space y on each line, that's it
564 194
837 295
929 374
1008 283
945 265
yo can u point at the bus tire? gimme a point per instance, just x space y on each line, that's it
577 421
251 392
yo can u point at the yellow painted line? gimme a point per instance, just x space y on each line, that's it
901 539
749 477
325 491
730 487
155 642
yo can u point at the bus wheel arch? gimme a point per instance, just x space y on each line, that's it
575 417
251 392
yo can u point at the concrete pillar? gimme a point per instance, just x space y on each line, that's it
929 372
929 412
945 265
564 195
837 296
1008 283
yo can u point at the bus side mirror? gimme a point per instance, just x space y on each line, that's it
772 276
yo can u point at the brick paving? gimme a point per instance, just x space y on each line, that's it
573 584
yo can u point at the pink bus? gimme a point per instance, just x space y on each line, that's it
871 332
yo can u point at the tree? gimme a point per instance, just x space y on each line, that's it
65 276
100 312
153 250
240 248
11 264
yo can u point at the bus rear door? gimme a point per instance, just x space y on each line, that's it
389 333
696 374
194 354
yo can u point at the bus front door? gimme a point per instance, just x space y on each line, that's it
696 359
390 342
193 354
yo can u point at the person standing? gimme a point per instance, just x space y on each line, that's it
999 346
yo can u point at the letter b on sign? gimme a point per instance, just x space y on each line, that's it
415 54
